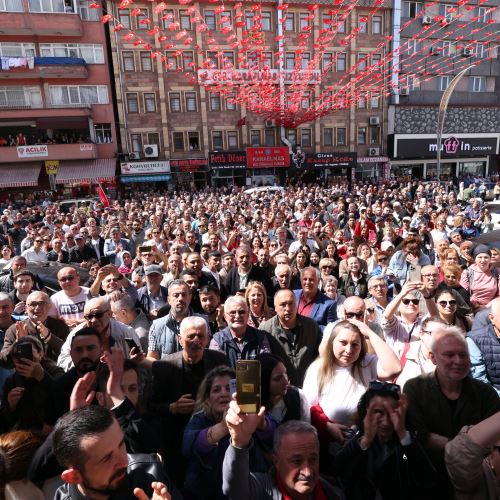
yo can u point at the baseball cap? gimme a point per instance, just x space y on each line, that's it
153 269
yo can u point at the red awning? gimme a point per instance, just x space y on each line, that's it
100 170
20 175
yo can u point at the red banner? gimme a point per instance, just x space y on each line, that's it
268 157
103 197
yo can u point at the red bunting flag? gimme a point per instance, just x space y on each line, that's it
241 122
103 197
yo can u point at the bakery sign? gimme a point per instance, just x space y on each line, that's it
34 151
145 167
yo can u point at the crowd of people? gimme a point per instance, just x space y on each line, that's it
20 139
373 310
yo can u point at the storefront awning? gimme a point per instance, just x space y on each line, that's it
127 179
100 170
20 175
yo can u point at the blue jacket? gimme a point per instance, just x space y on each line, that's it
400 267
143 297
324 310
484 347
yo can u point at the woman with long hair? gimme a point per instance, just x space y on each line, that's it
446 302
301 260
256 298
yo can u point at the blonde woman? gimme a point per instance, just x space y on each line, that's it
256 298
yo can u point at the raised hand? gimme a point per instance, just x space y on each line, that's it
370 425
160 492
14 396
242 425
337 431
83 392
398 415
21 330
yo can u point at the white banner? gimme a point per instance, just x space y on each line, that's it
249 76
145 167
32 151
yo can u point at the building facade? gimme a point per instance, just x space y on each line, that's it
57 125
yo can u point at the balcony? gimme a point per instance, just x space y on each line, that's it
48 152
46 67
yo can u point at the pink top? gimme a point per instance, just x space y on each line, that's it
484 286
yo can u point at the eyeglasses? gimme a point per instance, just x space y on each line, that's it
382 259
71 277
444 303
380 285
350 315
241 312
327 267
433 275
114 280
96 315
377 386
38 241
32 305
156 232
46 239
415 302
370 310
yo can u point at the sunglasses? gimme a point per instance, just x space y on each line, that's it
67 278
377 386
382 259
415 302
350 315
370 310
444 303
327 267
96 315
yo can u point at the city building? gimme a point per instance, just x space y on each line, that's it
57 126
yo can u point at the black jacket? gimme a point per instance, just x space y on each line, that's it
255 274
85 253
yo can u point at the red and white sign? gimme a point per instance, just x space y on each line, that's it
268 157
32 151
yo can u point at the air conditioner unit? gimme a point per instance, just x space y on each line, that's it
133 156
150 150
374 120
270 123
448 18
373 151
467 52
404 91
426 20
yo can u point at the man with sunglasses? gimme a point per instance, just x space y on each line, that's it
36 253
83 251
97 314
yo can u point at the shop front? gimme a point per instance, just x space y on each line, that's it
190 173
373 167
227 168
461 154
267 166
145 176
320 166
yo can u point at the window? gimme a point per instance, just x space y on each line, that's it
411 9
132 102
376 58
443 82
136 143
150 102
305 100
376 25
24 97
363 24
171 62
228 58
174 99
102 133
328 137
340 24
412 82
232 140
146 61
478 84
124 17
290 21
52 6
289 60
341 136
327 21
482 14
142 19
305 60
267 59
91 53
191 101
88 14
185 20
215 101
217 140
230 101
305 138
327 61
168 17
362 102
67 95
374 135
303 20
188 60
447 48
291 135
341 62
255 138
8 49
480 49
361 135
249 19
154 138
128 61
266 21
269 137
375 102
194 141
11 6
362 62
210 20
413 47
178 141
446 9
226 19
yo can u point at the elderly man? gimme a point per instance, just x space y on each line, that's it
296 338
97 315
114 245
83 251
313 242
295 458
152 296
378 296
112 282
51 332
6 310
57 254
175 402
440 403
239 340
284 279
313 303
68 303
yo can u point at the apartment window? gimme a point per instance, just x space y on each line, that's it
91 53
447 9
291 135
303 20
341 136
228 58
230 101
327 21
146 62
267 59
266 21
447 48
374 135
327 61
132 102
178 141
88 14
154 138
191 101
269 137
443 82
67 95
217 140
226 19
305 138
362 62
482 15
361 135
412 9
210 20
413 47
232 140
376 58
150 102
376 25
375 102
361 102
340 25
14 97
168 17
52 6
255 138
142 19
412 82
128 61
213 59
124 17
11 6
479 50
290 21
8 49
328 137
289 60
305 60
363 24
136 143
174 99
305 100
341 62
194 141
478 84
188 60
249 19
215 101
171 61
185 20
102 133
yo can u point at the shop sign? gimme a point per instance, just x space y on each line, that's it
51 167
86 147
268 157
329 160
221 160
32 151
250 76
189 164
452 145
145 167
372 159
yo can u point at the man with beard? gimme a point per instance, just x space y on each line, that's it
89 443
211 306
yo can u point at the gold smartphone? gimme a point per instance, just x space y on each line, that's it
248 385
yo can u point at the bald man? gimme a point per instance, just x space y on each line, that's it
97 314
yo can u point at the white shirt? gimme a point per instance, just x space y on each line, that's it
69 309
31 256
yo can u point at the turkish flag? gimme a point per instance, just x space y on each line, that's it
103 197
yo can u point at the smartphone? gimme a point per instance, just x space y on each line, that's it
248 385
24 351
131 344
144 249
